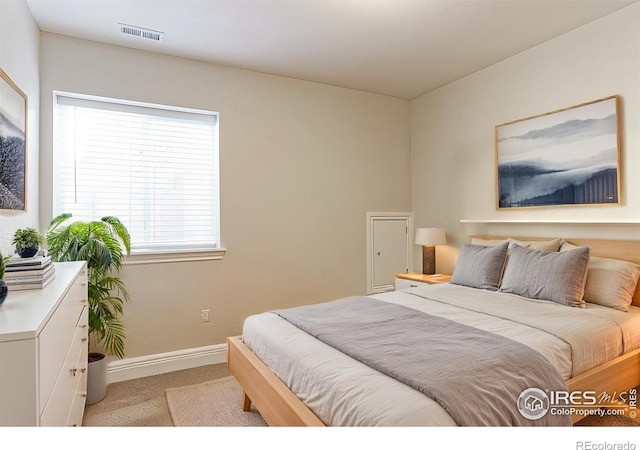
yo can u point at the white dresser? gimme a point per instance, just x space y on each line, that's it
43 352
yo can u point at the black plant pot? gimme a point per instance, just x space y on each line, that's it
28 252
4 291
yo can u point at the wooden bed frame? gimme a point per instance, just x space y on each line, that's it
280 407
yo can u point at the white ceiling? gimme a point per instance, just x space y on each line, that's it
402 48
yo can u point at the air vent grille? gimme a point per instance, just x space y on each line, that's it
144 33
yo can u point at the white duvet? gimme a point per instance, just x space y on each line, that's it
344 392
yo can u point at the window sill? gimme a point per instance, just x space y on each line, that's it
174 256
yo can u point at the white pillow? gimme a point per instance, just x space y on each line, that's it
488 242
546 246
610 282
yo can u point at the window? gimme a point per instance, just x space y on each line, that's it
154 167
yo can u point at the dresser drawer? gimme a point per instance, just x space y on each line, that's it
72 379
56 340
80 396
79 400
412 280
401 283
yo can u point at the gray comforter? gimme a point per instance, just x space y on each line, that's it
476 376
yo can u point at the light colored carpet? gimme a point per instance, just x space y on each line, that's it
142 402
216 403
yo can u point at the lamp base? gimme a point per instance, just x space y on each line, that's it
428 259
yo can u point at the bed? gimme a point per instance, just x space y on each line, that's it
294 377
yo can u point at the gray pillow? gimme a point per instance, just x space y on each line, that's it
555 276
479 266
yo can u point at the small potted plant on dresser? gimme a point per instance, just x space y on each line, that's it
27 242
103 244
4 289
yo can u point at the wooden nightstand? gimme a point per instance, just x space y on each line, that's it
409 280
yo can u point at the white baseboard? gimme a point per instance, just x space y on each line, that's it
145 366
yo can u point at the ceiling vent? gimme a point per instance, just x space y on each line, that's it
157 36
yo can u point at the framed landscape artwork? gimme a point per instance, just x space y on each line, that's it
565 157
13 145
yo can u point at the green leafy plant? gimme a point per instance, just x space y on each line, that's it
25 238
103 244
4 289
3 262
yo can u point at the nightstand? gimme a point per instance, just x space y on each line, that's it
409 280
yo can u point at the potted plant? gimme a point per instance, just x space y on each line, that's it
4 289
27 242
102 244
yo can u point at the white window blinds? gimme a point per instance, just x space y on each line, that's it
153 167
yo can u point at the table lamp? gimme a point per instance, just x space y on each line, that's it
429 238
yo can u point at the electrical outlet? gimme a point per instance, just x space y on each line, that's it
204 315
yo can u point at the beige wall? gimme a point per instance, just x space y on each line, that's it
19 44
452 132
301 164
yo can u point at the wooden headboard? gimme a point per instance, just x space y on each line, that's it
606 248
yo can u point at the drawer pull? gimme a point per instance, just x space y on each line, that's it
413 285
74 371
83 395
84 339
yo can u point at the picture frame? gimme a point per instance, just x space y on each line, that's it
13 145
566 157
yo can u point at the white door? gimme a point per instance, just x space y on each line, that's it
389 249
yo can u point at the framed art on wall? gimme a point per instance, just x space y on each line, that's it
13 145
565 157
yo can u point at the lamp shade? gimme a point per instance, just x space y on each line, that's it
430 236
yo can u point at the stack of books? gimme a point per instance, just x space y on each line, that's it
29 273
